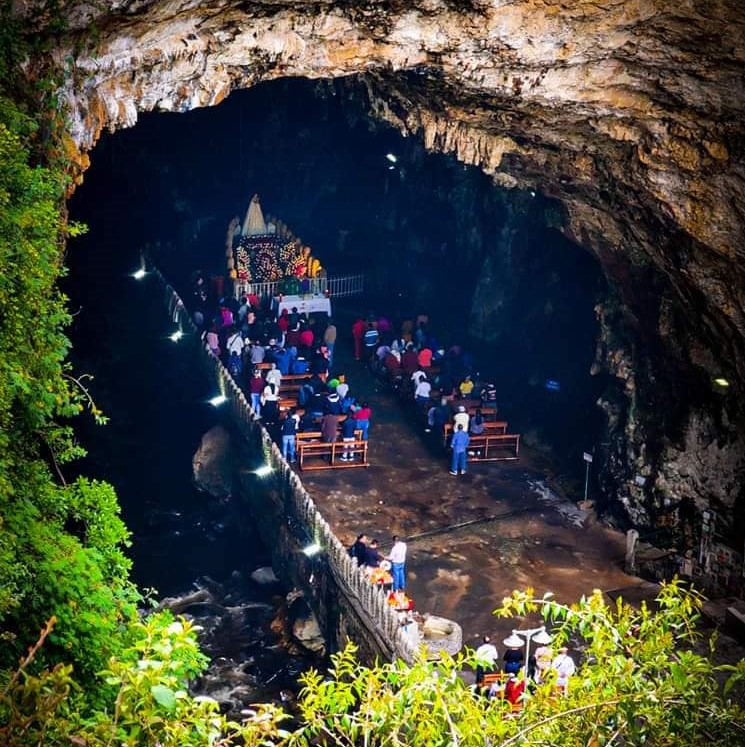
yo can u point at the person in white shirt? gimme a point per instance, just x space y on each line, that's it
235 343
422 392
270 403
417 376
398 563
274 376
564 666
461 418
486 655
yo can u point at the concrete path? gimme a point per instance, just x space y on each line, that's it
463 572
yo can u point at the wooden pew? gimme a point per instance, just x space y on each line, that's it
494 447
316 454
490 427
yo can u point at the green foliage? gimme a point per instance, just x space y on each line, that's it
640 683
148 702
61 545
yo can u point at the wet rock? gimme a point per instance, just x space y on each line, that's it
264 576
304 625
177 605
213 463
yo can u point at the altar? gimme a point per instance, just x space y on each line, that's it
307 304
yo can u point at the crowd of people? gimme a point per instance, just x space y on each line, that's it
542 666
441 384
259 349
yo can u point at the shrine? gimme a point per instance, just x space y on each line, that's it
266 260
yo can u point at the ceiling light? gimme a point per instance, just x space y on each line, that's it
721 382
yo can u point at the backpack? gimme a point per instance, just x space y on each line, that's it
300 366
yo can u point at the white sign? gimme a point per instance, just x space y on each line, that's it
587 457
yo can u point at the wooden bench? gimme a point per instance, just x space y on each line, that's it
493 678
325 455
494 447
497 427
499 679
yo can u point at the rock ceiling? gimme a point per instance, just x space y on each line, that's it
631 112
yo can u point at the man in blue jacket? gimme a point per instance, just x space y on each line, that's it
459 445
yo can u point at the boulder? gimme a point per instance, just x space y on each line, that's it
212 464
305 628
264 576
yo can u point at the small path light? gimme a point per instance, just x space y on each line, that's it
312 549
176 336
218 400
139 274
263 471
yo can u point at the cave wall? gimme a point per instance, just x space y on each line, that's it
629 112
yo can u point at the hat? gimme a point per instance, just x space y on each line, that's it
385 565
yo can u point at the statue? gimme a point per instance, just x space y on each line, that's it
254 224
313 266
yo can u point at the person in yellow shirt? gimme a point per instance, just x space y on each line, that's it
465 387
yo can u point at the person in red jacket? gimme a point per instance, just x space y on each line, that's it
362 415
306 338
358 332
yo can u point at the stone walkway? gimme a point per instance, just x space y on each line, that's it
463 572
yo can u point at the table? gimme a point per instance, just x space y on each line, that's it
304 304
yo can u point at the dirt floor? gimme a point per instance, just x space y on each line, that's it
471 539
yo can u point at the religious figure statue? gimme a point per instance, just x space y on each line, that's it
313 266
254 224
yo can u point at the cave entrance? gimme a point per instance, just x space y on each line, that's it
489 265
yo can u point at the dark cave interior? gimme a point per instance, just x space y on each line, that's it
489 266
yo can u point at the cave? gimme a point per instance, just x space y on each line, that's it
605 126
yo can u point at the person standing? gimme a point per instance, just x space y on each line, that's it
270 403
513 659
289 432
274 376
329 340
359 549
348 427
459 446
358 332
255 388
397 559
486 656
362 415
564 666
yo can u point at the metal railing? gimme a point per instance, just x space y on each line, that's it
349 285
377 616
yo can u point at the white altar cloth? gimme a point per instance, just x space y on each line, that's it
307 305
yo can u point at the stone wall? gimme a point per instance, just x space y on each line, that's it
347 606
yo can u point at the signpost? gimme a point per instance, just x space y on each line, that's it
588 461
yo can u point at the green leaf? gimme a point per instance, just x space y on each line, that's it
164 696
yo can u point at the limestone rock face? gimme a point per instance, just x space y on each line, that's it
630 112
